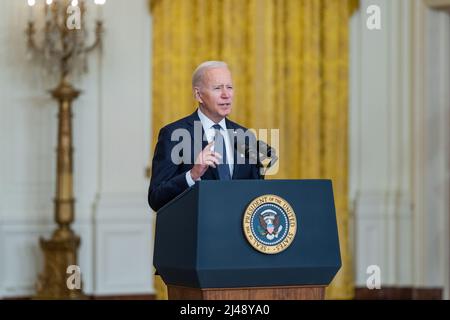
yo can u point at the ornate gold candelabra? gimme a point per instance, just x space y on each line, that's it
63 52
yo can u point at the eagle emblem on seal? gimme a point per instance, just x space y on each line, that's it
269 224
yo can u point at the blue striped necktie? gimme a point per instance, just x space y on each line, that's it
219 147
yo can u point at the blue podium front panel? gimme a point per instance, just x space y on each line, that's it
215 252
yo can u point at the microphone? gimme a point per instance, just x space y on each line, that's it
265 149
258 150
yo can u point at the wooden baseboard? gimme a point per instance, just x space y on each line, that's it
254 293
399 293
125 297
114 297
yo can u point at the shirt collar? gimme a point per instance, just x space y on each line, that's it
208 123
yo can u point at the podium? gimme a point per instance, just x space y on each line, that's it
248 239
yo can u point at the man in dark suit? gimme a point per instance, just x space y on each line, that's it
209 149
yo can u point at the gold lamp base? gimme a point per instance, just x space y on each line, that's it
59 254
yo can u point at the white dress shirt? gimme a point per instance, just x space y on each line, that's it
210 132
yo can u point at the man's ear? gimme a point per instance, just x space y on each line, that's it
198 95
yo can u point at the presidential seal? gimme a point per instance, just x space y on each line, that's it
269 224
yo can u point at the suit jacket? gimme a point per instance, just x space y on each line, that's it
169 179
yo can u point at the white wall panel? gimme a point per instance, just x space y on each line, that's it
399 145
111 132
124 254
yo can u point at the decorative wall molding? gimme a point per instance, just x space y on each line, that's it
382 227
380 180
431 80
124 253
125 207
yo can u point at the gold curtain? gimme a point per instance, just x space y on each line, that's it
289 60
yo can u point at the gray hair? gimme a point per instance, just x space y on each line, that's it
197 76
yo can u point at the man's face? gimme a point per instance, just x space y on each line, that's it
215 94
